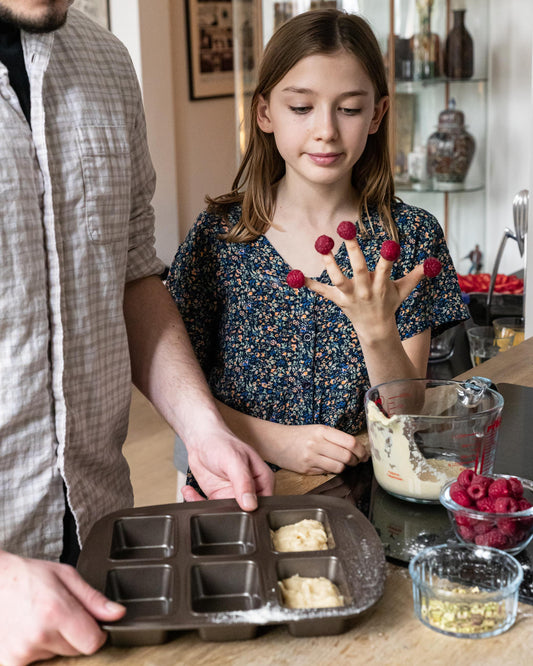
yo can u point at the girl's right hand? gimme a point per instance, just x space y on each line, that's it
318 449
370 298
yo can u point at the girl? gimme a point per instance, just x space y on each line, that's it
288 366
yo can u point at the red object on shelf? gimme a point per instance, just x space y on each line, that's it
479 282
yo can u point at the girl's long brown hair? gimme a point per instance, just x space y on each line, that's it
311 33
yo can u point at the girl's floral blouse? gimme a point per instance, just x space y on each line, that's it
288 355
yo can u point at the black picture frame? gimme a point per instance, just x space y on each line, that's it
210 48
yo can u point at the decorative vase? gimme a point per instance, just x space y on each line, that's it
426 45
459 51
403 59
450 150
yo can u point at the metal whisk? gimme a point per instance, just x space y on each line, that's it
520 217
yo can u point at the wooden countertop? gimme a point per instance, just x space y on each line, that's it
389 634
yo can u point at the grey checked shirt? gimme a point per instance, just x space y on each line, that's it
75 225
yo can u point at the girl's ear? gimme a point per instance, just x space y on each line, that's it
263 115
379 111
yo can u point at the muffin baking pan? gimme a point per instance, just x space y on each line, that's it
211 567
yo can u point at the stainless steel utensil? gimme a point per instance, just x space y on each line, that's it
520 218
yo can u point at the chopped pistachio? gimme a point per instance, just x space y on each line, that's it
463 617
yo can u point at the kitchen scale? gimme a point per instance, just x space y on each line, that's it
405 528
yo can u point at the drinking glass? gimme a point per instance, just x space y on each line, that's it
484 343
507 326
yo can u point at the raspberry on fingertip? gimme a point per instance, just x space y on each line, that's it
324 244
295 279
347 230
432 267
390 250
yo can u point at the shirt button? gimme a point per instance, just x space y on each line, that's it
308 337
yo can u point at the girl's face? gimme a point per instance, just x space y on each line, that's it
321 114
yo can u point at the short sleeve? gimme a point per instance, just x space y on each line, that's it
192 284
435 303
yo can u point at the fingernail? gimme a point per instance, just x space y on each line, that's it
249 501
113 607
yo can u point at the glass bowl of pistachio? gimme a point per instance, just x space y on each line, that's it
466 591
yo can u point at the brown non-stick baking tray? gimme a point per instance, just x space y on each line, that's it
211 567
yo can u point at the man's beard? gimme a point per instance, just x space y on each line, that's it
51 20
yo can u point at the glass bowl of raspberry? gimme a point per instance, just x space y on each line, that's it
493 510
466 591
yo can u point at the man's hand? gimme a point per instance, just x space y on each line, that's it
47 609
224 466
166 371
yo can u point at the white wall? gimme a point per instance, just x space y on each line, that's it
145 29
205 133
528 296
510 122
192 143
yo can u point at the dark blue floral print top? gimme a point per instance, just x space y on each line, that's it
291 356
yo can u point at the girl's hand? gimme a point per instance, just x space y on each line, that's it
318 449
369 299
306 449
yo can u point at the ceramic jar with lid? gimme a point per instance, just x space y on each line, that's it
450 150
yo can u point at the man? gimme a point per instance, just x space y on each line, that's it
78 284
476 258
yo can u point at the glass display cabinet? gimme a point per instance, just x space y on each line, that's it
436 55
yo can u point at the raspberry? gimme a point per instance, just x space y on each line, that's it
477 490
465 478
499 488
296 279
521 535
485 504
483 526
459 495
467 533
525 523
517 489
464 521
509 526
479 478
347 230
505 505
390 250
494 539
324 244
478 486
432 267
523 504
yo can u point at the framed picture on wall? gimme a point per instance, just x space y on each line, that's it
210 43
98 10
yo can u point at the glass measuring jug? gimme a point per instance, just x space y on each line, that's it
424 432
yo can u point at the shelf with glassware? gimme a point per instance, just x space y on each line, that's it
434 78
435 150
437 55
